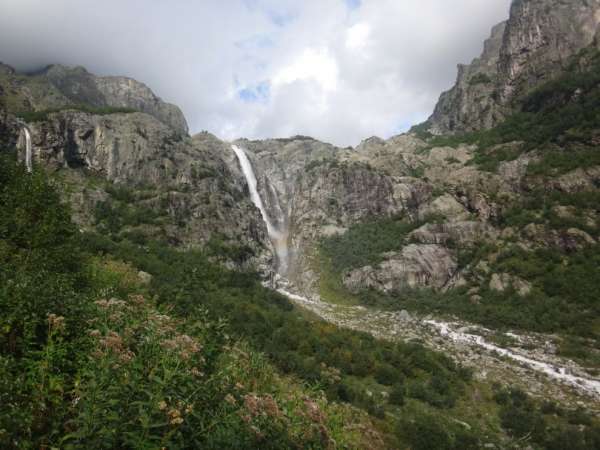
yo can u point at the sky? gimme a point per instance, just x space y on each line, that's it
338 70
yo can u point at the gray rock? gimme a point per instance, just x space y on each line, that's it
417 265
528 49
404 316
503 281
145 277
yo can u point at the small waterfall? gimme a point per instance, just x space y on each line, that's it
28 150
278 236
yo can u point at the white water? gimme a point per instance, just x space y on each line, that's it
558 373
28 150
589 386
278 237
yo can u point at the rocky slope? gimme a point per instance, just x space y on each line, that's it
532 47
174 187
474 236
59 87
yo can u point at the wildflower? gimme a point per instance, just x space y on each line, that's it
114 317
169 344
251 404
112 341
162 405
56 323
102 303
196 372
230 399
270 406
126 356
313 410
137 299
94 333
175 417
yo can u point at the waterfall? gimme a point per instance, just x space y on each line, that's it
28 150
278 237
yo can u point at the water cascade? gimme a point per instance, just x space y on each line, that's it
590 385
279 237
28 150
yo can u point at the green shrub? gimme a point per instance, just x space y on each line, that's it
42 116
480 78
87 361
364 243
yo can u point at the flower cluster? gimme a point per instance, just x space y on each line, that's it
182 343
257 407
56 323
112 343
175 413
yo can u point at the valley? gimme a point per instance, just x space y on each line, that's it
434 289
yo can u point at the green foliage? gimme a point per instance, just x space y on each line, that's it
37 239
427 432
421 130
480 78
121 371
306 348
527 421
42 116
364 243
558 161
112 217
564 112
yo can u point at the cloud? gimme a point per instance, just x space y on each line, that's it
340 70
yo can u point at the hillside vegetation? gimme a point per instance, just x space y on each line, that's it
89 358
558 124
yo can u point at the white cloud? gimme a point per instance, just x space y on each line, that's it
311 64
335 69
357 36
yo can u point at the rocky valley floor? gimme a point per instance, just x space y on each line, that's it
527 361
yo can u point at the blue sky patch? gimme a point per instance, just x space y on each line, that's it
256 94
353 4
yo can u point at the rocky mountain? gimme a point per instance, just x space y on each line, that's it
477 233
532 47
59 87
179 188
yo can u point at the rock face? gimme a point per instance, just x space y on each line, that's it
530 48
312 189
58 87
470 104
416 266
185 182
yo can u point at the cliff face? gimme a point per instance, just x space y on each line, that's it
179 188
313 189
529 49
58 87
184 181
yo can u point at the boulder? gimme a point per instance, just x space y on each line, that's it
415 266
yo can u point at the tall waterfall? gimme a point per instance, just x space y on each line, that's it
28 150
278 237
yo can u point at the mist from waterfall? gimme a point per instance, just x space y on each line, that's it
278 237
28 150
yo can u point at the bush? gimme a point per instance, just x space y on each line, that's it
364 243
87 361
42 116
